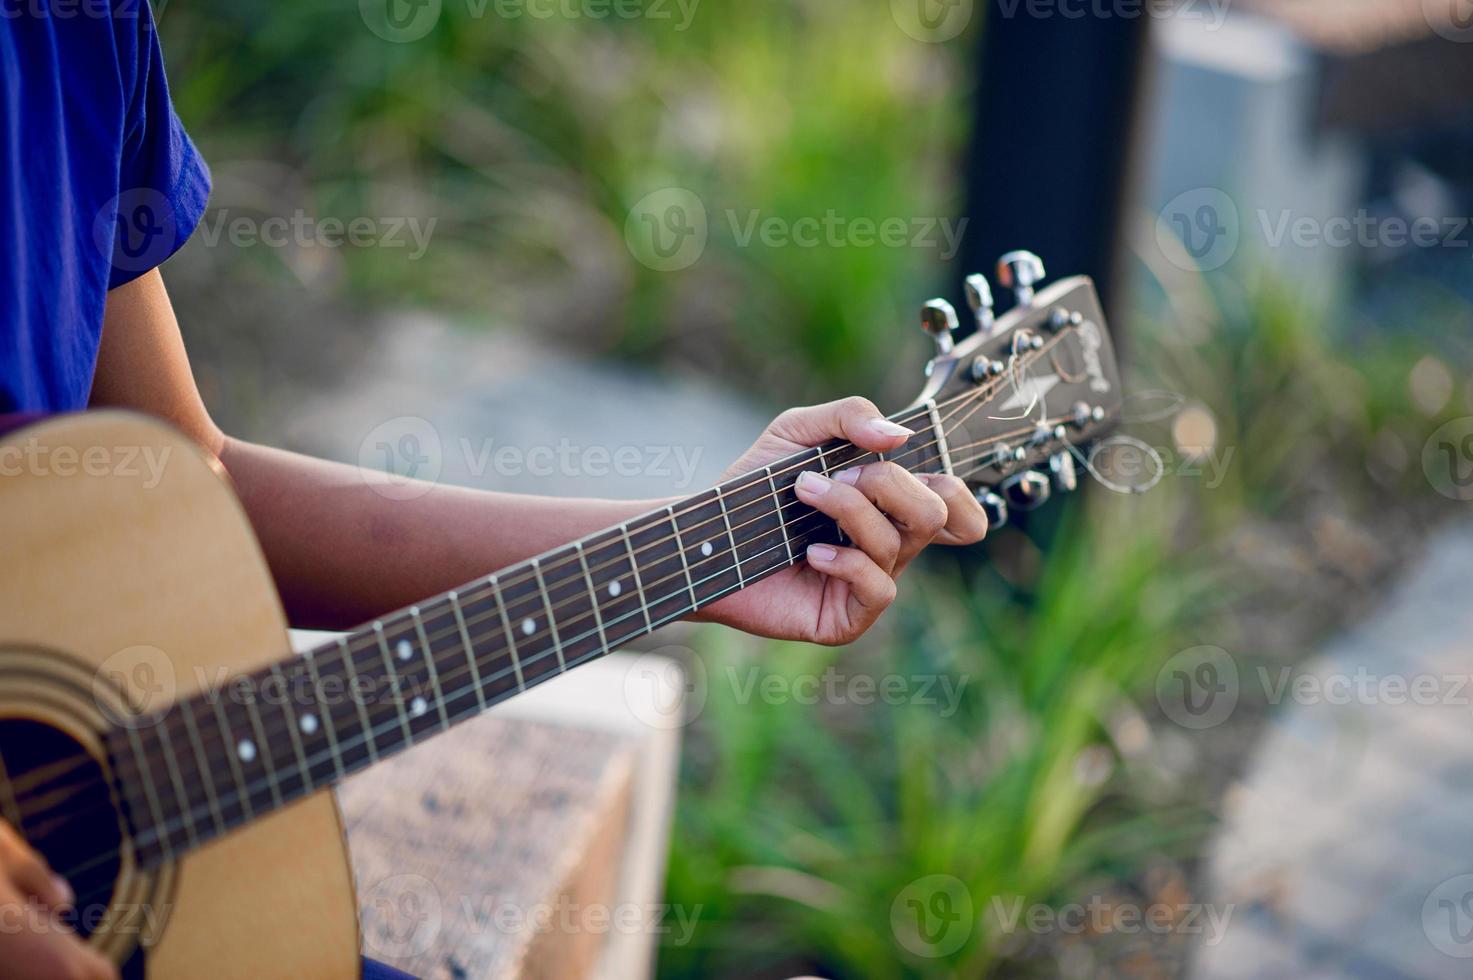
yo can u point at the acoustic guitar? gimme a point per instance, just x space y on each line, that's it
169 755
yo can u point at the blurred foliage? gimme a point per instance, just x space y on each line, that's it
801 827
529 139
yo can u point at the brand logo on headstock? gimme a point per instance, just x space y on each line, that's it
1091 341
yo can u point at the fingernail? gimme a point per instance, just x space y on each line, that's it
821 552
60 887
849 476
812 482
889 429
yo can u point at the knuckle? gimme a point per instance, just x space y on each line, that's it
886 592
857 405
935 515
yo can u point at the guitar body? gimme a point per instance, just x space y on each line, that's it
150 578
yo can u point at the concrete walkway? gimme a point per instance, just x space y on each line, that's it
1348 849
495 411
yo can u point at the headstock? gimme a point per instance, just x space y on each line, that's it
1024 399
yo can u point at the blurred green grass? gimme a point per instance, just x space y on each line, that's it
529 140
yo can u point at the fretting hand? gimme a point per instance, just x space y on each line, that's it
887 513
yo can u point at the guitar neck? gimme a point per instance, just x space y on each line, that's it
249 745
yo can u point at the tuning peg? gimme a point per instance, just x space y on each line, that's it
938 318
1063 472
1027 490
979 298
994 507
1020 271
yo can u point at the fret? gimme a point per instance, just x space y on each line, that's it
710 551
202 765
511 644
755 517
483 611
940 433
840 456
598 619
396 692
731 537
182 795
661 567
429 656
410 673
156 835
644 600
356 696
297 779
535 636
468 648
228 742
565 589
782 524
922 452
257 751
614 578
557 643
325 721
690 583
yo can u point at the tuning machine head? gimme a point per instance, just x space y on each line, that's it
994 507
979 299
1027 490
1020 271
938 318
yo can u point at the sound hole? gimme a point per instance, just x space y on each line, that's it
61 796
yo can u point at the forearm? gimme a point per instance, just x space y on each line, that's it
342 550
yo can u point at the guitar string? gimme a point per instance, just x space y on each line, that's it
978 396
201 809
975 395
251 789
372 648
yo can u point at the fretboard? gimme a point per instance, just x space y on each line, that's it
260 741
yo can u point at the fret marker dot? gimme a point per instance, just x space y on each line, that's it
706 548
615 588
246 749
405 650
529 626
418 707
308 724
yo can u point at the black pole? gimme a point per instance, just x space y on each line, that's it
1053 137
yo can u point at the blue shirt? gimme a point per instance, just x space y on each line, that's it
98 184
